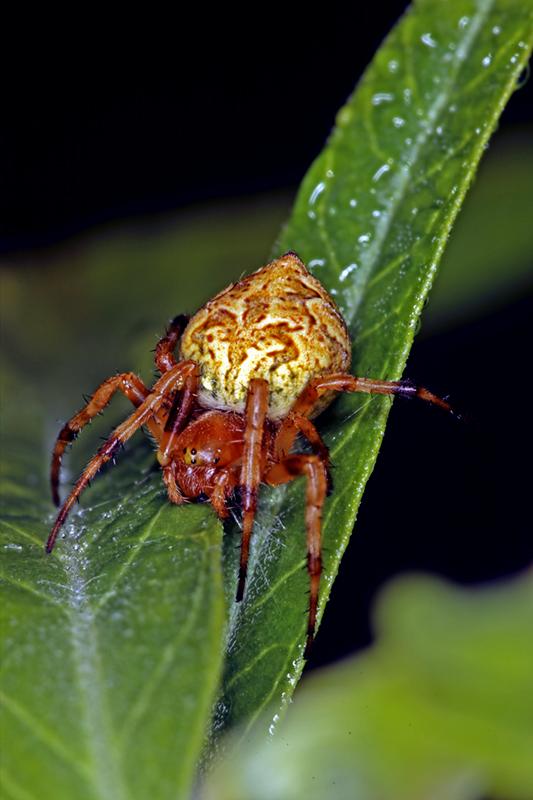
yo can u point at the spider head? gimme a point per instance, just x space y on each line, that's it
213 440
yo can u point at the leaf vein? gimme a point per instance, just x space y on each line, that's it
20 584
42 733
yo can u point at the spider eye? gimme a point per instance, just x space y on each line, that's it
191 457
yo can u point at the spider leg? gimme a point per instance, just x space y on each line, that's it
164 351
344 382
255 416
292 425
172 380
179 413
314 469
126 382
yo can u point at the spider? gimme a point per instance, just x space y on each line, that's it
257 363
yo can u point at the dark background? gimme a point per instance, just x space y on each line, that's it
127 123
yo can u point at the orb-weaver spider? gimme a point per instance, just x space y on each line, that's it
257 363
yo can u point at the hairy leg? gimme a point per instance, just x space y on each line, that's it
255 416
171 381
181 409
291 426
126 382
315 470
341 382
164 352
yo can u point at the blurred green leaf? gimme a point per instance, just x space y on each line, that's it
440 707
489 258
371 220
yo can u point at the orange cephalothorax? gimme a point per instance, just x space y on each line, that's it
213 440
278 324
258 362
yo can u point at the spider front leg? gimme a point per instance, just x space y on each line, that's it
314 468
181 409
184 402
127 383
171 381
164 352
252 459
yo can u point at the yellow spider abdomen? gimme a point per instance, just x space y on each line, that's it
279 324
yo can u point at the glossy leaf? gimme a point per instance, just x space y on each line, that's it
371 220
441 706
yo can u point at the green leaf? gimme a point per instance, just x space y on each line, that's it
371 220
441 706
111 646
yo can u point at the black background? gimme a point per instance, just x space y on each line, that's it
105 121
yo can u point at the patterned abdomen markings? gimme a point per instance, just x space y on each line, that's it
278 324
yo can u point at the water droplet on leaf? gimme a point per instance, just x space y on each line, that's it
428 40
347 271
377 175
319 188
382 97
